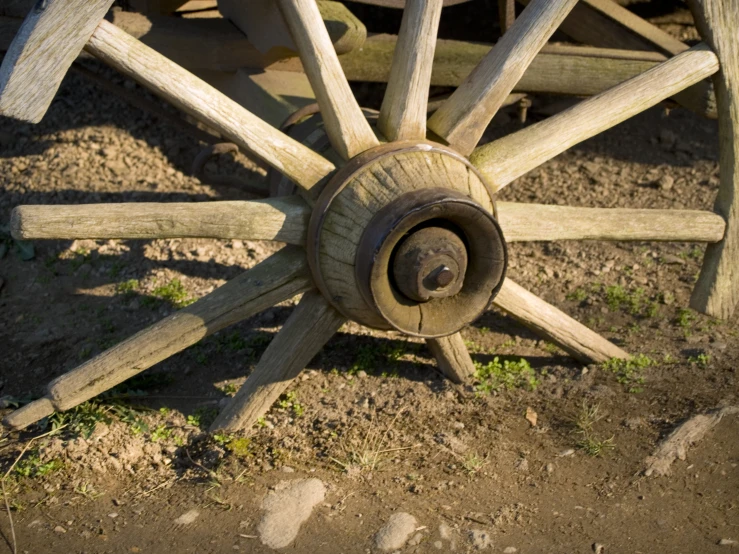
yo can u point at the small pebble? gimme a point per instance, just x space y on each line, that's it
287 469
113 515
599 548
59 529
479 538
567 452
510 550
727 542
550 467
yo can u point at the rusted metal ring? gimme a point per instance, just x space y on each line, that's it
487 261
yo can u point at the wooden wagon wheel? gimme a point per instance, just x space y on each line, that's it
405 234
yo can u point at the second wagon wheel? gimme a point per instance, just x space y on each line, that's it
406 233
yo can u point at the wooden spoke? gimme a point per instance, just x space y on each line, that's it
717 290
202 101
305 332
403 113
605 23
505 159
556 326
37 60
452 357
532 222
462 120
278 278
281 219
346 126
506 14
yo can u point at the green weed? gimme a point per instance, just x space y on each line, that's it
162 432
289 401
173 292
635 302
127 287
685 319
629 372
230 389
508 374
31 466
590 442
202 417
81 420
701 360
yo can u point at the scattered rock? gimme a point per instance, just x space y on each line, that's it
522 465
480 539
187 518
286 508
416 539
727 542
445 532
566 452
531 416
510 550
550 468
438 545
59 529
666 182
394 534
599 548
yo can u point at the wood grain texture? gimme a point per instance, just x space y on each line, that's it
49 40
717 290
305 332
453 358
190 94
571 70
538 222
605 23
368 191
462 120
400 4
404 107
275 280
261 21
505 159
29 414
279 219
346 126
555 326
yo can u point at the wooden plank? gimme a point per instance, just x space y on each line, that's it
462 120
404 107
275 280
49 40
305 332
717 290
605 23
579 71
537 222
507 158
279 219
346 126
555 326
400 4
206 104
453 358
262 22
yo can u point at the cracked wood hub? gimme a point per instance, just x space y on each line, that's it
404 237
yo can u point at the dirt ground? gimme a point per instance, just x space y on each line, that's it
539 455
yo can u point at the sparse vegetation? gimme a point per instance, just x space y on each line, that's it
589 440
127 287
173 292
202 417
701 360
629 372
685 319
289 401
507 374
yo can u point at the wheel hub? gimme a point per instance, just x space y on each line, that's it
404 237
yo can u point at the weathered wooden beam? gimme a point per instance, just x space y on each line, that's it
306 331
48 41
190 94
278 219
717 290
537 222
452 357
505 159
578 71
604 23
346 126
400 4
462 120
404 108
275 280
555 326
